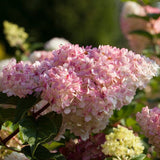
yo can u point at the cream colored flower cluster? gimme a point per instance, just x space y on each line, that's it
15 35
122 144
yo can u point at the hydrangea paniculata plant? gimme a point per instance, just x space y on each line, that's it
85 85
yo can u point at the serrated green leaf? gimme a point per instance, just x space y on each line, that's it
24 105
4 99
9 126
48 126
139 157
42 130
143 33
27 128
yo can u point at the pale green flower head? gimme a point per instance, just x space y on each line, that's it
122 144
15 35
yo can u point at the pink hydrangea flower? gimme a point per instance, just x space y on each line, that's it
85 85
128 24
40 56
19 79
108 79
149 120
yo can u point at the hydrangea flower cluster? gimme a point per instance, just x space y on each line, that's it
15 35
128 24
122 144
149 120
19 79
86 150
85 85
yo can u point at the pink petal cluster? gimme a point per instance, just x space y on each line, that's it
19 79
128 24
149 120
85 85
40 56
85 150
60 87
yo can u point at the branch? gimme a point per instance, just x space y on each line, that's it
41 110
12 149
17 130
10 136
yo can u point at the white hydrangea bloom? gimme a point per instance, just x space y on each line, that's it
55 43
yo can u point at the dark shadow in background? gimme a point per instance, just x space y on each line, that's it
86 22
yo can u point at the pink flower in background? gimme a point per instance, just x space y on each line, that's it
128 24
149 120
19 79
85 85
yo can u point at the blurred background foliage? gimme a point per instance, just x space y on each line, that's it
86 22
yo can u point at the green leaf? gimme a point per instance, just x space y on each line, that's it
9 126
58 156
139 157
7 114
27 151
153 15
27 128
143 33
157 35
42 130
124 112
146 18
53 145
24 105
129 0
42 153
131 122
36 46
47 128
4 99
109 158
